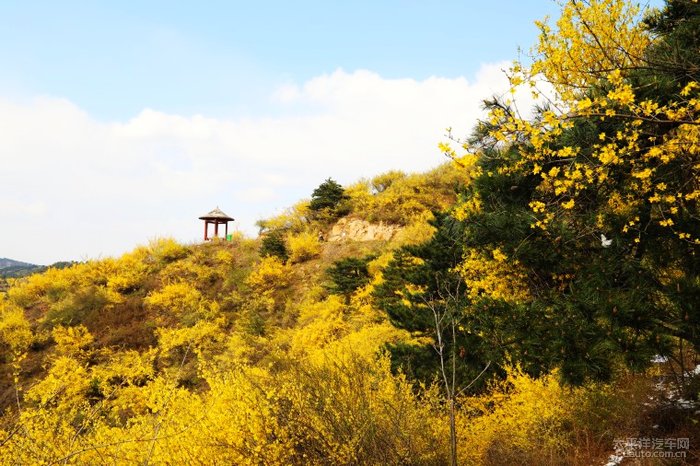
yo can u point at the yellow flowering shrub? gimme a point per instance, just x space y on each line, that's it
51 285
360 195
318 323
63 387
15 331
166 250
71 340
494 277
587 61
354 411
418 231
180 301
294 219
520 420
303 246
128 272
269 274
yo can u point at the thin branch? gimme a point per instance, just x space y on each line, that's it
483 371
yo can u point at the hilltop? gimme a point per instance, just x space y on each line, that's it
118 300
259 344
8 263
180 320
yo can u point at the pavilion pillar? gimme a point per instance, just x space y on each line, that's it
206 230
216 229
226 230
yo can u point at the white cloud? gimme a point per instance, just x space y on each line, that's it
13 208
261 194
105 186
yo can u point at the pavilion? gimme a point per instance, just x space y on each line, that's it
215 217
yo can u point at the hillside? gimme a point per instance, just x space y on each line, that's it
214 351
93 342
535 301
9 263
13 268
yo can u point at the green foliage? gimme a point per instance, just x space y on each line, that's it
274 243
580 242
327 196
349 274
327 200
419 287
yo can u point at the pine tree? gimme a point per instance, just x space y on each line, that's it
327 199
348 275
420 284
274 244
583 238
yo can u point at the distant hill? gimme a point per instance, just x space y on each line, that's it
10 268
13 268
9 263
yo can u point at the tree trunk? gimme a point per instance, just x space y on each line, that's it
453 434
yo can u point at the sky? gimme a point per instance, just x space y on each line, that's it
121 122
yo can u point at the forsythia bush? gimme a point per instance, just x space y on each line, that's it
397 198
15 331
269 274
583 220
522 420
167 250
316 390
303 246
71 340
495 277
180 300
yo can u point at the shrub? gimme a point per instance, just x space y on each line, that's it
294 218
327 201
274 244
270 274
327 196
71 340
344 411
348 275
15 332
182 301
80 306
166 250
303 247
383 181
360 196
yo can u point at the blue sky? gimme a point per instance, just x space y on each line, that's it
221 57
125 121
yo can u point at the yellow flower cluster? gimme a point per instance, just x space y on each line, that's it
593 44
494 277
